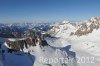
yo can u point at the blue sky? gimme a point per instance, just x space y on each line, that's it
47 10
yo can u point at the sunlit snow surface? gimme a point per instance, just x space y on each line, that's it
57 42
62 45
84 46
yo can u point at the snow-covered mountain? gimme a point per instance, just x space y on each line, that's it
78 29
17 47
38 44
84 37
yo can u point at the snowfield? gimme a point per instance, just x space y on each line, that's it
84 46
76 43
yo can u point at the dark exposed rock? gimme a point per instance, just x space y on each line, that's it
31 39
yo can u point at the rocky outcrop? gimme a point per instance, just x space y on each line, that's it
78 29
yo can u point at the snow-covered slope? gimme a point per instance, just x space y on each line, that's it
49 55
78 43
45 55
84 37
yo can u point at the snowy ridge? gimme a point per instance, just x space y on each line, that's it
41 50
60 40
83 37
47 52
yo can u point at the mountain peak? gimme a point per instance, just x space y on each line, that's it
95 19
65 21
